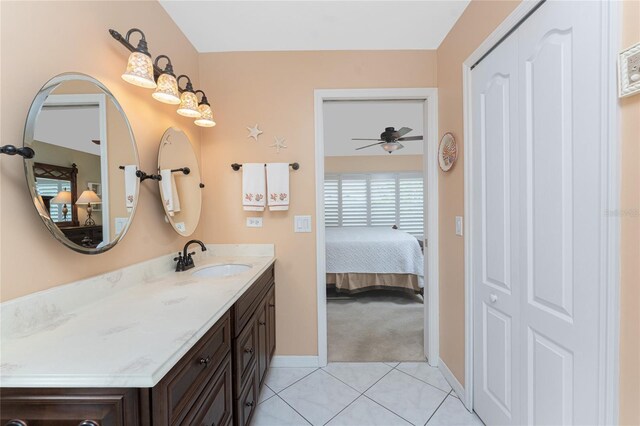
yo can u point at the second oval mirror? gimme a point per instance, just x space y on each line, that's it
180 187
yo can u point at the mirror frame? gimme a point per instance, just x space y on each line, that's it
29 130
168 217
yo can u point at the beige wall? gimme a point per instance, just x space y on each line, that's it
275 89
35 47
373 163
476 23
630 237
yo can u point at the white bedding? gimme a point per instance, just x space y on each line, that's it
373 250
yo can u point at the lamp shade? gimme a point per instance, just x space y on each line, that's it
167 90
206 120
63 197
140 70
189 105
88 196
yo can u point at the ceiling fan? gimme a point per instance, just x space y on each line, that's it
390 139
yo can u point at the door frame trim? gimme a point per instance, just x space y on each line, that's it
608 333
430 165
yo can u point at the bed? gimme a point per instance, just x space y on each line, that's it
372 258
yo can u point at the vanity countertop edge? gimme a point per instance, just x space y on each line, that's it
157 324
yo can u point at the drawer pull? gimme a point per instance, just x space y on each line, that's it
262 323
205 361
249 404
88 423
16 422
248 350
272 305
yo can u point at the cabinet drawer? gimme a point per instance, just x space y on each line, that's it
246 351
174 396
248 303
37 407
271 321
247 401
215 406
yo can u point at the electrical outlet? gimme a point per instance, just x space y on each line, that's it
302 224
459 225
254 222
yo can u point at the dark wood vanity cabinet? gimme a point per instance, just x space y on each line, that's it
217 383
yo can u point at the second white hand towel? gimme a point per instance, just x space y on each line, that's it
253 186
170 191
278 183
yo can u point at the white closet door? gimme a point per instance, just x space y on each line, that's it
497 288
560 101
538 203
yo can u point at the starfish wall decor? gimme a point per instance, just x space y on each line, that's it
279 144
254 132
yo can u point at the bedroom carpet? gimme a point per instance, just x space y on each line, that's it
375 326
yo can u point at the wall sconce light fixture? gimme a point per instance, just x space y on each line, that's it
167 91
139 67
188 100
206 118
142 71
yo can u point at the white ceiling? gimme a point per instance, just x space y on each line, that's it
367 119
266 25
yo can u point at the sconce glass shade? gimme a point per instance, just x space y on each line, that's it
189 105
139 71
207 116
167 90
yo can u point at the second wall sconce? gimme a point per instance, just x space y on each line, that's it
142 71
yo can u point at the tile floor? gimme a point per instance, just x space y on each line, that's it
360 394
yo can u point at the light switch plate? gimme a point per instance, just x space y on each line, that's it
302 224
459 225
120 223
254 222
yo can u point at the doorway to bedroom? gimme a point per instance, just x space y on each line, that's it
375 301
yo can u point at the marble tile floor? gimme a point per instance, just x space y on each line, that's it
360 394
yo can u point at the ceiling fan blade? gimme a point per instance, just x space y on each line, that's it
403 131
367 146
365 139
411 138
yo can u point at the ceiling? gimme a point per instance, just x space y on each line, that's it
367 119
225 26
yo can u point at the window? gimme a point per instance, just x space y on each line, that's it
49 188
375 199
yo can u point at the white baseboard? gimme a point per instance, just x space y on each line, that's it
453 382
294 361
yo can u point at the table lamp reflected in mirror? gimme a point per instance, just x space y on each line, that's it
64 198
87 197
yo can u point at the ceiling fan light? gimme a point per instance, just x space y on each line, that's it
139 70
167 90
391 146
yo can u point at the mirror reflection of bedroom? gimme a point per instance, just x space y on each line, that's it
374 219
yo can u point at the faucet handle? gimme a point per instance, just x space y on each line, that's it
179 258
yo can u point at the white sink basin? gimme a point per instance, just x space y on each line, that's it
219 271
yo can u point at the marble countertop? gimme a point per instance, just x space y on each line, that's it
127 328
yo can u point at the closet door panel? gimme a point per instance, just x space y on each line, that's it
561 179
494 237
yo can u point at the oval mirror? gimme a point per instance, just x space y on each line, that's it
82 177
180 187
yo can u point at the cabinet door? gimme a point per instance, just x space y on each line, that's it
271 322
263 341
245 348
215 406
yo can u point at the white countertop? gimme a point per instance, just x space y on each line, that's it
123 329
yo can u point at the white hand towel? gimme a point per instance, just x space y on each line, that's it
278 184
169 192
130 185
253 186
